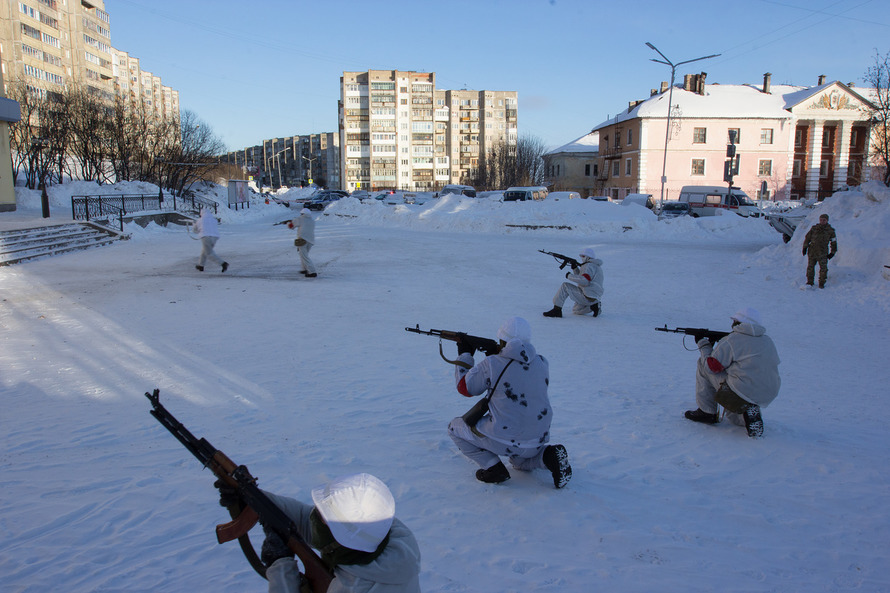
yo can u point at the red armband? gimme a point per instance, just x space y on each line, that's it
462 387
715 365
586 276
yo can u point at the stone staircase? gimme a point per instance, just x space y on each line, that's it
21 245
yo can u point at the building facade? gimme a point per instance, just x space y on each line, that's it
795 142
398 131
293 161
574 166
51 44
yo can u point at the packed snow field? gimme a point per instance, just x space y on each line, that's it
304 380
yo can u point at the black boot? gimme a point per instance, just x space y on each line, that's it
199 268
701 416
225 266
556 459
554 312
494 475
596 309
753 421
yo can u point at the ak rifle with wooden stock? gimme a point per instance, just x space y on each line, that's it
696 332
256 506
486 345
565 259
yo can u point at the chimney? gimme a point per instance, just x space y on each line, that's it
700 83
687 82
766 80
821 79
653 92
665 85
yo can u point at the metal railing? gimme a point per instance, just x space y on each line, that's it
119 205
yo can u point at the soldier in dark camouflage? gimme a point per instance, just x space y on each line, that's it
820 245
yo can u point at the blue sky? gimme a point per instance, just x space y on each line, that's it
271 68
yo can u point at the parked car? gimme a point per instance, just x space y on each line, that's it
460 190
520 194
563 195
600 198
641 199
360 194
389 197
674 210
320 200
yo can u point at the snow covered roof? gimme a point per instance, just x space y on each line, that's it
729 101
586 143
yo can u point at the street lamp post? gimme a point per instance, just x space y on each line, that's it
667 131
310 165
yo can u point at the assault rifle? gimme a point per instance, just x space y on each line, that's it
696 332
486 345
257 506
565 259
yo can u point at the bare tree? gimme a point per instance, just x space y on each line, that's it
506 165
878 78
194 156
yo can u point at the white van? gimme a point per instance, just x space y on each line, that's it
459 190
707 200
520 194
641 199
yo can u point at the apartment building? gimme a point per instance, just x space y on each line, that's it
398 131
50 44
574 166
796 142
293 161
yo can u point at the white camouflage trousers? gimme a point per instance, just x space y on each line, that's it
207 252
706 386
485 451
307 264
571 290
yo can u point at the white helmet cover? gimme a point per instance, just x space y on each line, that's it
358 509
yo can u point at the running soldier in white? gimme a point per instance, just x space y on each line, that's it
305 226
208 230
584 286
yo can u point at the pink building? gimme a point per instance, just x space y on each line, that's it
801 141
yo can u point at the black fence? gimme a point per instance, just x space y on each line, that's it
119 205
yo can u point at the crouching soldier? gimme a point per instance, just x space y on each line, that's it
353 526
584 287
517 422
740 372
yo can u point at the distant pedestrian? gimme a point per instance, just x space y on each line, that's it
819 245
207 229
305 226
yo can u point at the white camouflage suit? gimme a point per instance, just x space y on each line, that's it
518 422
207 229
305 226
746 360
584 286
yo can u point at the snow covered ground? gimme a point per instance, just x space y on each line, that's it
304 380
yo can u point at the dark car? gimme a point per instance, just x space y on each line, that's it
674 210
321 199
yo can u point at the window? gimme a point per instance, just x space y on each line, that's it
796 168
799 137
765 167
824 169
628 167
766 136
616 169
630 137
587 170
699 135
698 166
738 135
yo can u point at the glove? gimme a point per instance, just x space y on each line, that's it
703 343
290 224
804 250
568 274
464 348
274 548
228 495
300 242
831 255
